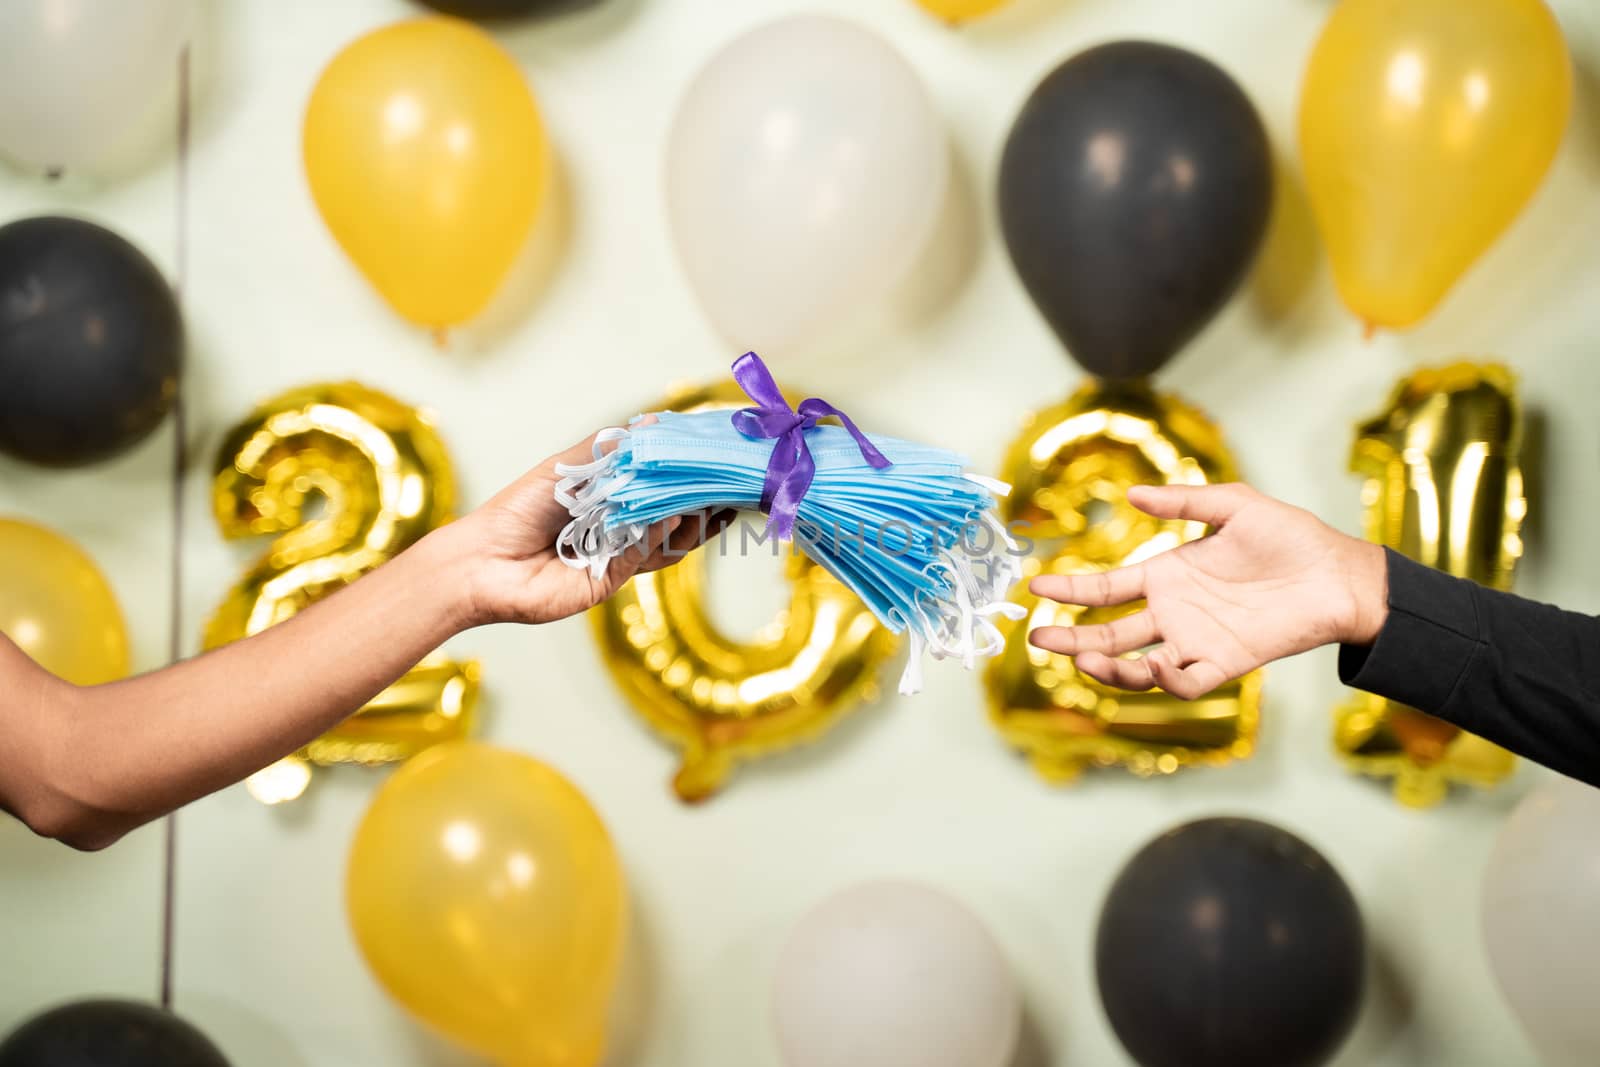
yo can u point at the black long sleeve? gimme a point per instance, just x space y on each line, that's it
1519 673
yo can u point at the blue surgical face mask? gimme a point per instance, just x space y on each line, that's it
892 535
709 437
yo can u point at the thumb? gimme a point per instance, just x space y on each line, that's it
1213 505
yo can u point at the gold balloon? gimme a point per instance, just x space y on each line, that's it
1443 486
57 606
1425 126
346 478
1071 468
426 156
722 700
1070 471
956 11
486 896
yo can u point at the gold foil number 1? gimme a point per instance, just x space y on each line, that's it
1443 472
1070 472
347 478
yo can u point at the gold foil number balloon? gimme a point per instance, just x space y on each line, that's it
722 700
57 606
346 478
485 894
1071 470
1425 126
1443 486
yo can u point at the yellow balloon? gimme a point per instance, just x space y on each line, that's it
961 10
486 896
426 156
1425 126
56 605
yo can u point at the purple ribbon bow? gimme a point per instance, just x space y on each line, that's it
791 469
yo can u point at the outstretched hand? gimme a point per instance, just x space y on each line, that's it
1271 581
88 764
519 577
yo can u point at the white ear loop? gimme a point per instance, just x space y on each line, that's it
585 490
960 625
911 677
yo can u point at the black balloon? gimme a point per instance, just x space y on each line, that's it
1230 943
505 9
90 342
1134 192
108 1033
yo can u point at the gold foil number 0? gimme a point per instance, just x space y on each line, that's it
723 701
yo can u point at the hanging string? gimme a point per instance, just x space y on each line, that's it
180 466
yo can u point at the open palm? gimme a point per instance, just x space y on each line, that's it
1273 580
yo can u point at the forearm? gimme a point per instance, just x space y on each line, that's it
1522 674
111 757
86 765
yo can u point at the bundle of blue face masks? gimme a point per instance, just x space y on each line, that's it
898 523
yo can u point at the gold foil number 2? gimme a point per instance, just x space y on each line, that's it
1070 472
382 477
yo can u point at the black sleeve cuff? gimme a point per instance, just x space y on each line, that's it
1427 641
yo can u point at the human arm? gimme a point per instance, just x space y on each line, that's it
86 765
1273 580
1522 674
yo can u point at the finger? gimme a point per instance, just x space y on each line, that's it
1110 638
1213 505
654 537
1121 673
1165 656
710 524
1092 590
696 529
1191 682
583 451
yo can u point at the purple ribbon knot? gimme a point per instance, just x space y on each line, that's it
792 467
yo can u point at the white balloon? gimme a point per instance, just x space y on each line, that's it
894 974
805 172
1541 919
78 78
